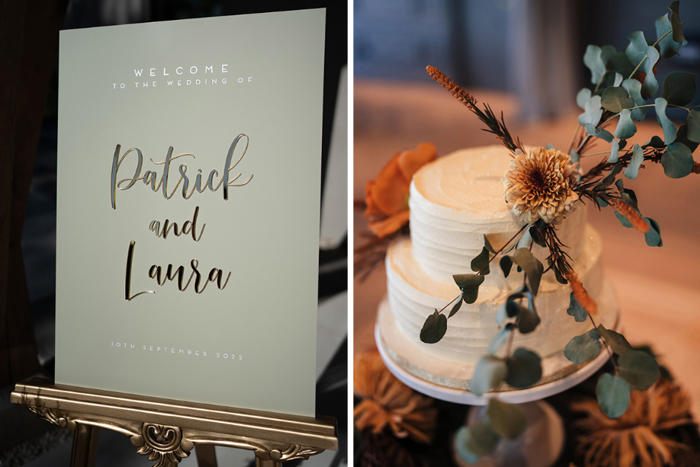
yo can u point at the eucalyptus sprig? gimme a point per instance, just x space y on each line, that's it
632 369
520 368
624 86
628 99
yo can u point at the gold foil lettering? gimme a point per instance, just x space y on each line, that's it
188 228
127 286
151 178
155 272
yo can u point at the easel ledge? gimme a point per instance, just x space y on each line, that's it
167 430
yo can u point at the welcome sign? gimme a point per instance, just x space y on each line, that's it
188 209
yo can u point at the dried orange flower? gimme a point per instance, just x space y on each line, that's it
387 196
580 293
540 185
640 435
631 214
387 402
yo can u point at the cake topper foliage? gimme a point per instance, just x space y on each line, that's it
543 184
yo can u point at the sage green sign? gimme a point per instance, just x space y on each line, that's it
188 209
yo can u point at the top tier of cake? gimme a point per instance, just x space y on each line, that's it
457 199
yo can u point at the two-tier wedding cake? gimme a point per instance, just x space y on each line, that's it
455 201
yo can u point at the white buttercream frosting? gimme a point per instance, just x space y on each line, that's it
454 201
457 199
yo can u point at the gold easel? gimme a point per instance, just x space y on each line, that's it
167 430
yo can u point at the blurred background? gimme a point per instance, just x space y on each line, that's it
28 123
524 57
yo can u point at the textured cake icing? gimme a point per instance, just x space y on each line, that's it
453 202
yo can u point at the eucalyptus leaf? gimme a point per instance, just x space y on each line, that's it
619 63
613 395
653 236
557 274
481 262
610 178
627 195
508 420
461 444
434 328
598 132
510 308
576 310
524 368
593 60
677 160
667 125
650 84
456 307
676 23
526 240
469 285
530 300
481 438
487 245
614 151
654 142
680 88
607 52
693 123
583 348
593 112
667 46
528 320
632 169
506 263
617 80
682 137
574 156
623 220
625 126
513 307
617 342
532 267
499 339
638 368
637 48
536 235
502 314
488 374
634 88
583 96
615 99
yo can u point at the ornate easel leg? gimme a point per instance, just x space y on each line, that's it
266 463
84 446
206 455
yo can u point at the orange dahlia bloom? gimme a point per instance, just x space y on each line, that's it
387 196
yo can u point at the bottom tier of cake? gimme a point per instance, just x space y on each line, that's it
411 354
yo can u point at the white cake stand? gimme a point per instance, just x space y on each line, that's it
543 440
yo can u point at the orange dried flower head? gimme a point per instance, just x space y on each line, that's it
641 436
540 185
387 196
388 403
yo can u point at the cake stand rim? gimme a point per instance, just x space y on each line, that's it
516 396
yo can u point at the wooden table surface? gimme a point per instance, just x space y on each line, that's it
658 288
